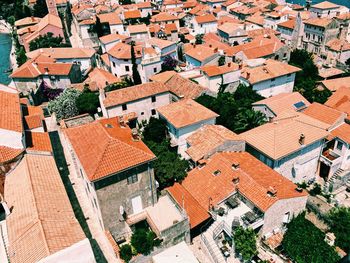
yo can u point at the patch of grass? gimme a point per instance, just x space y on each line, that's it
64 172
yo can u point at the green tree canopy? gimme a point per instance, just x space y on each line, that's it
125 252
143 240
339 222
119 85
245 242
304 243
64 106
40 8
46 41
88 102
155 130
199 39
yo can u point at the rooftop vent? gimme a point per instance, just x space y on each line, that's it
235 179
235 165
271 191
108 125
135 134
217 172
302 139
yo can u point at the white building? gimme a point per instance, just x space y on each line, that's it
140 100
269 77
204 24
109 41
324 9
200 55
183 118
291 145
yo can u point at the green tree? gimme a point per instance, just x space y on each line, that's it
248 119
64 106
304 243
118 85
11 20
47 41
347 62
88 102
21 56
27 11
143 241
155 130
245 242
199 39
339 222
135 73
40 8
221 61
125 252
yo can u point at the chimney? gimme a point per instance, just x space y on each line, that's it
135 135
216 49
46 70
29 30
302 139
122 122
271 191
229 64
235 179
32 18
194 45
210 45
248 75
235 165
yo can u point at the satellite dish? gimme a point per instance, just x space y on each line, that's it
121 210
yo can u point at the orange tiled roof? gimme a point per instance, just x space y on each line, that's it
185 112
38 141
184 88
132 14
206 139
10 112
42 221
161 17
255 180
209 18
139 28
212 70
27 21
281 102
335 84
270 69
7 154
325 5
113 37
290 24
281 138
340 100
321 22
338 45
113 150
342 132
63 52
195 212
120 96
200 52
33 121
99 78
110 18
123 51
324 113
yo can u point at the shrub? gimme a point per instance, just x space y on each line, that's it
143 241
125 252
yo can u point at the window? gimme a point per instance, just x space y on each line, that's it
113 64
132 179
288 75
273 79
153 111
127 68
124 107
154 99
125 60
155 70
339 146
142 113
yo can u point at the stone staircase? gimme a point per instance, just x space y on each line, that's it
338 173
207 238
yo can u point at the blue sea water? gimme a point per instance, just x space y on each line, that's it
338 2
5 50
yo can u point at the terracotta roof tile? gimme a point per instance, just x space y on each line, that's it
110 18
206 139
32 122
162 17
184 88
255 180
342 132
120 96
321 22
113 37
10 112
7 154
63 52
200 52
281 138
340 100
335 84
38 141
185 112
212 70
209 18
284 101
195 212
324 113
290 24
325 5
113 150
123 51
132 14
42 221
338 45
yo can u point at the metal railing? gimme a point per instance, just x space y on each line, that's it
208 246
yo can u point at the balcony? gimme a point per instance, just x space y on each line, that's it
329 157
235 212
149 60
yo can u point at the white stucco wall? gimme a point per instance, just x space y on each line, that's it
79 252
142 107
117 29
11 139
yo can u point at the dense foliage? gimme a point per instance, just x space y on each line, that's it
119 85
135 73
235 109
46 41
245 242
305 81
143 240
222 61
304 243
88 102
125 252
169 167
169 63
339 222
64 106
199 39
40 8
